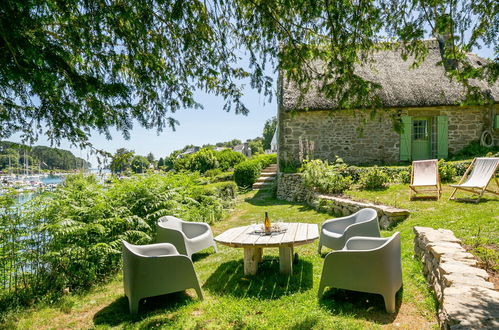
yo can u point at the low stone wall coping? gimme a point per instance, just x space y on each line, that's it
290 188
389 210
466 298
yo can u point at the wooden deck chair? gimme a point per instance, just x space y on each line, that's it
425 178
484 170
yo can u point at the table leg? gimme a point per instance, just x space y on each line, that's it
259 254
251 258
286 259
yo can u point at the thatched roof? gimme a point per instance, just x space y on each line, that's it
401 86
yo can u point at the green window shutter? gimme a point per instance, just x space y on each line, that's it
496 121
405 138
442 137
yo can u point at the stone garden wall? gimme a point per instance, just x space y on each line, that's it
387 215
466 299
290 188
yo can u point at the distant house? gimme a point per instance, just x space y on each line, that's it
220 148
243 149
423 102
188 152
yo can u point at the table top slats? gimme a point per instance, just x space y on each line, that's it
289 235
229 235
276 239
250 238
239 239
301 232
263 240
296 234
313 231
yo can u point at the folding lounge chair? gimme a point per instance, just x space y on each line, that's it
425 178
484 170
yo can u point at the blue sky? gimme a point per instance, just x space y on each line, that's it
209 125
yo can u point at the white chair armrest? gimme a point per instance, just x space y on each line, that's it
338 225
360 243
156 250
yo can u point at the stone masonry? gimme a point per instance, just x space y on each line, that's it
466 299
290 188
357 138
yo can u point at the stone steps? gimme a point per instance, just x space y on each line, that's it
268 174
267 178
262 185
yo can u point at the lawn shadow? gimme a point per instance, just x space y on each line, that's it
368 306
268 283
117 312
201 255
471 200
308 323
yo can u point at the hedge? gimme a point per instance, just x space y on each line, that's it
247 172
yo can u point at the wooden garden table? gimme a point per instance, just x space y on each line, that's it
253 243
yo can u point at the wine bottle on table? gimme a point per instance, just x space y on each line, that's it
266 223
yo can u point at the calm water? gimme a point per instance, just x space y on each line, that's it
52 179
24 197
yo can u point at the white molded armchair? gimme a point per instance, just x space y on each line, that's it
335 232
366 264
155 269
188 237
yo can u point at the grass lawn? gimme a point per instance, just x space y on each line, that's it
272 300
477 225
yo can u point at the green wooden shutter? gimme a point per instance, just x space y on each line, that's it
405 138
496 122
442 137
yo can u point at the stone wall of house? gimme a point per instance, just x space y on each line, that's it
290 188
465 125
358 138
466 299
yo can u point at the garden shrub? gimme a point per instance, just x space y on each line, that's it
247 172
265 159
373 178
203 160
213 172
474 149
227 176
325 178
224 190
404 176
446 171
460 166
228 159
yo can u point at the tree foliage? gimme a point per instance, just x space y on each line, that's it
69 67
139 164
268 132
121 160
39 157
256 146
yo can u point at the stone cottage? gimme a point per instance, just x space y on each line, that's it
423 101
